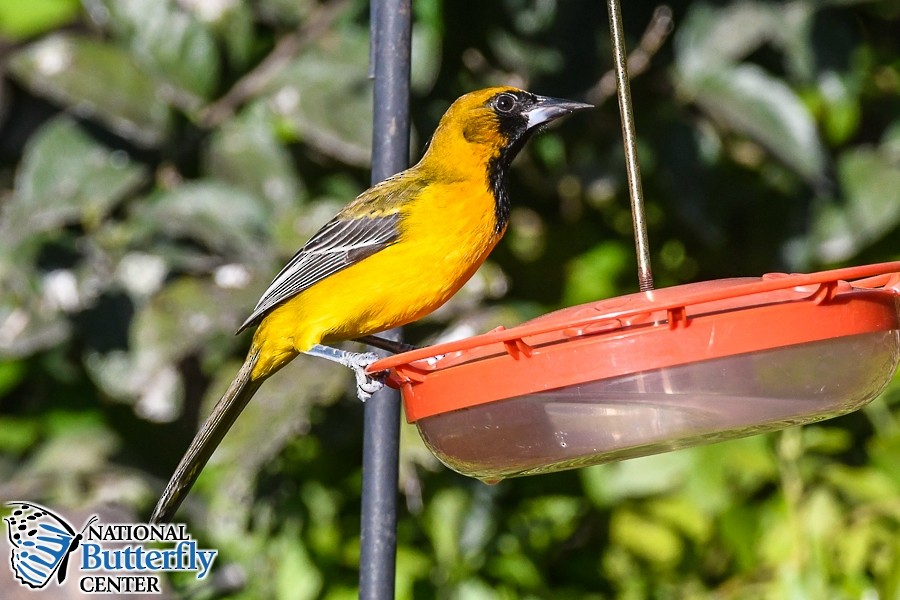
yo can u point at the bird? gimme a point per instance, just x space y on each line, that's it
394 254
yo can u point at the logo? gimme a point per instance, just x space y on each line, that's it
109 557
42 542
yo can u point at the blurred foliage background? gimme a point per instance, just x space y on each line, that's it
160 160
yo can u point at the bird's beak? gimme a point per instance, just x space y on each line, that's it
548 109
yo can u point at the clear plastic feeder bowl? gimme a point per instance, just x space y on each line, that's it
655 371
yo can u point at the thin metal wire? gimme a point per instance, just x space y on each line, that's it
629 137
390 68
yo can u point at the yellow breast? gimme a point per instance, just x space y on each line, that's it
446 234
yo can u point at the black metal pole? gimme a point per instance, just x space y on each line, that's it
391 29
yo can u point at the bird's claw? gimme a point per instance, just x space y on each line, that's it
366 385
366 388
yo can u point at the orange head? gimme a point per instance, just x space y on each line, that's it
482 132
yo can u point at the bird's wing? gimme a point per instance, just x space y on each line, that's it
341 243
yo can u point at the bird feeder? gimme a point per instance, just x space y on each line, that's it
657 370
654 371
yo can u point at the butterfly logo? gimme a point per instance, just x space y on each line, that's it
42 543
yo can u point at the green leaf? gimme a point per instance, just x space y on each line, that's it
607 484
296 575
324 98
18 435
445 517
235 28
683 515
229 222
27 324
11 373
746 99
841 106
710 38
516 569
76 446
169 42
853 547
646 538
827 440
741 96
861 484
884 451
427 45
323 529
871 182
246 153
594 275
522 55
286 12
182 319
20 20
738 528
413 565
550 520
870 179
821 516
475 589
890 140
267 427
67 178
96 80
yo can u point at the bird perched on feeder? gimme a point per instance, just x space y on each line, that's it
397 252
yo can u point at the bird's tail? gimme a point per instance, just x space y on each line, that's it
207 439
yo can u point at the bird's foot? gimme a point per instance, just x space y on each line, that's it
366 385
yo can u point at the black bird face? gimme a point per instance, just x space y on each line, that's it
521 113
483 131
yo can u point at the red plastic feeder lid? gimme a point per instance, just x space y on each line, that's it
646 331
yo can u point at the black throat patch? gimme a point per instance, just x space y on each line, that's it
496 175
498 169
512 124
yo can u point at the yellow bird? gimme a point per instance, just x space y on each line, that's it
396 253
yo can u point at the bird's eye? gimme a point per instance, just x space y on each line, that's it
505 103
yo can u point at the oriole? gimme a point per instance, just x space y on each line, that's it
397 252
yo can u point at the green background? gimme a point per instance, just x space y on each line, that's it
159 161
